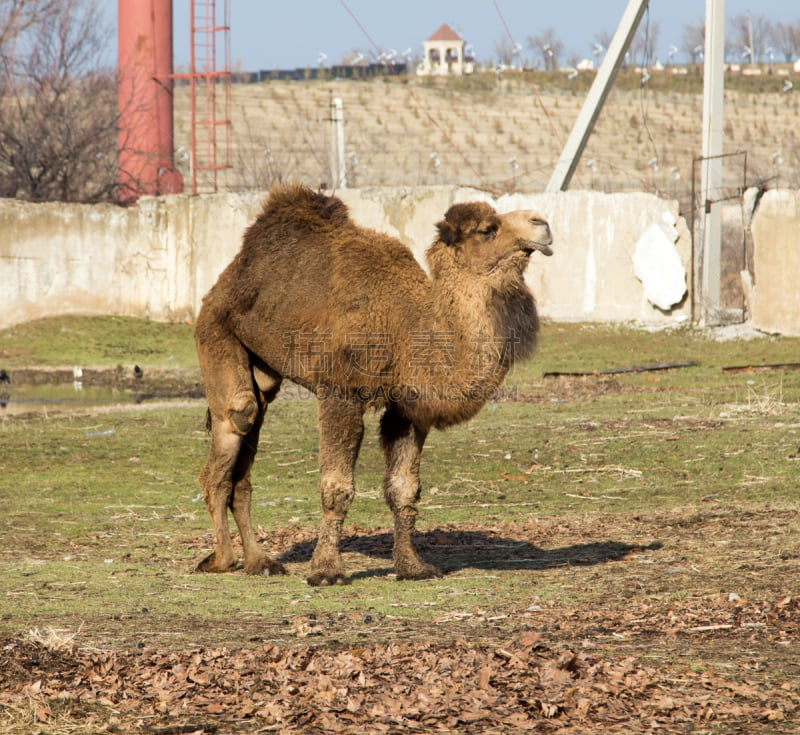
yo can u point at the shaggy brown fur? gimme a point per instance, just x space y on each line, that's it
348 313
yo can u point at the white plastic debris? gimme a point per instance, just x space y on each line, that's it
657 264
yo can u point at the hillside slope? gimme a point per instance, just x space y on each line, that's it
499 134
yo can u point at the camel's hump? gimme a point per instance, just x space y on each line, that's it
300 205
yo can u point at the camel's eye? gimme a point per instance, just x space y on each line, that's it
489 232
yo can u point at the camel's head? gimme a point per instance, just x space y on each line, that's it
482 240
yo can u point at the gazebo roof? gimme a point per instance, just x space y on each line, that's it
445 33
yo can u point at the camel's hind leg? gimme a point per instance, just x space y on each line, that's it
216 480
341 428
236 405
402 446
256 559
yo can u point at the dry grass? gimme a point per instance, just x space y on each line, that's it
53 639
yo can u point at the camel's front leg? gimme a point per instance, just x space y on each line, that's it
341 428
402 445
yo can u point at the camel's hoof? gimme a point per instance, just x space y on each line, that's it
209 564
321 579
267 567
419 571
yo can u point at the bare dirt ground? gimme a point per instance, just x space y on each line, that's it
617 651
535 679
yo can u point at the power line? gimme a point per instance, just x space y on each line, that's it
534 87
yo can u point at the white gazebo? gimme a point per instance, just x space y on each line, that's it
444 54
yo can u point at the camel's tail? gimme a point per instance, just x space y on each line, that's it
208 419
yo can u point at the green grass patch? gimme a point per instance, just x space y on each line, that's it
97 340
635 485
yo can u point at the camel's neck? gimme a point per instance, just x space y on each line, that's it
489 324
455 355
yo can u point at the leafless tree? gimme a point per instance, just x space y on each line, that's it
786 39
548 45
506 50
693 41
261 161
16 17
602 42
644 43
603 39
750 35
58 109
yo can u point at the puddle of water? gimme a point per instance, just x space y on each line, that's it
24 399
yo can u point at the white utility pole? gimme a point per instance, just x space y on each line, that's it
615 55
338 162
711 173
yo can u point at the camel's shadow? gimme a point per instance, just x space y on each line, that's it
452 550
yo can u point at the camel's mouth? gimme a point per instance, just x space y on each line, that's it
529 246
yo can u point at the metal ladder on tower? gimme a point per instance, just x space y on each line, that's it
210 95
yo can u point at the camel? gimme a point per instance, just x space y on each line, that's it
348 313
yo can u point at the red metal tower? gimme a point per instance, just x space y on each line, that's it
210 91
144 99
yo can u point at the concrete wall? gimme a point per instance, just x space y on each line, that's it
159 258
774 295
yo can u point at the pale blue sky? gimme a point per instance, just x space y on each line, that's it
267 34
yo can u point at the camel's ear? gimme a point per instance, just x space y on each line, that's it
335 209
462 219
448 233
